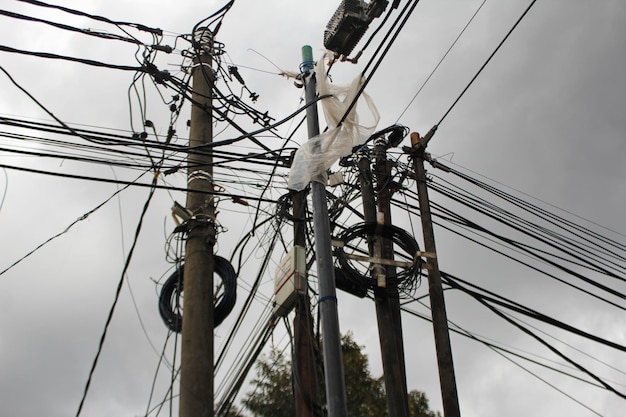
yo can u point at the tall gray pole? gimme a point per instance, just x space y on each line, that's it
447 379
196 375
333 362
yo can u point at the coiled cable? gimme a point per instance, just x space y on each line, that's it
169 298
405 278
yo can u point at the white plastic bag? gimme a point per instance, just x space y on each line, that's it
319 153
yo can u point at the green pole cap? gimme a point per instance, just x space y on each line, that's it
307 53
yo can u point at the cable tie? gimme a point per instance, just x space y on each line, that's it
327 298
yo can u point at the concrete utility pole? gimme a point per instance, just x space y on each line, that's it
305 386
447 378
386 297
196 377
333 361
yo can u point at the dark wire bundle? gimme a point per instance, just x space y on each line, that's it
405 278
169 299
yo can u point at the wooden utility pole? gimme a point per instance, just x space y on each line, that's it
305 385
447 378
386 297
196 377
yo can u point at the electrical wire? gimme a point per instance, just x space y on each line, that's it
419 90
132 183
480 70
174 286
6 189
88 32
116 298
137 26
67 229
410 7
90 62
486 301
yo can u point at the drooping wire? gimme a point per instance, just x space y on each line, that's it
6 189
486 301
419 90
67 229
480 70
88 32
117 295
91 62
137 26
502 351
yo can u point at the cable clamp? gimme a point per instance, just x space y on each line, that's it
199 175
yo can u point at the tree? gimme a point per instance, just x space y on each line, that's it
272 393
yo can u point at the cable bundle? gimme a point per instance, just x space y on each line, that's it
405 278
171 291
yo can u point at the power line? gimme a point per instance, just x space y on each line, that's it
487 62
88 32
117 295
137 26
67 229
133 183
441 60
91 62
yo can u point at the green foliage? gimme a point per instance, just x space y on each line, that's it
272 395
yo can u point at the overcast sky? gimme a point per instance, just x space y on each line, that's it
545 120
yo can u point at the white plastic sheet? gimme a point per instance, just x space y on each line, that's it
318 154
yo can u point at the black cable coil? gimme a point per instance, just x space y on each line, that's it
406 278
171 290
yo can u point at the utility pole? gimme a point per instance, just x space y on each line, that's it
305 386
196 377
386 297
333 361
447 378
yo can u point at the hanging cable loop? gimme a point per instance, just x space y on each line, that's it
169 298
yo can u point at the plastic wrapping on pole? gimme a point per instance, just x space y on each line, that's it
321 151
333 363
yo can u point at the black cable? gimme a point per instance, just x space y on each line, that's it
174 287
117 295
487 62
492 297
135 184
483 300
558 221
380 59
522 227
406 279
67 229
501 350
89 32
137 26
441 60
90 62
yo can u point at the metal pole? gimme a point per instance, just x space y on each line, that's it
447 378
196 377
333 361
